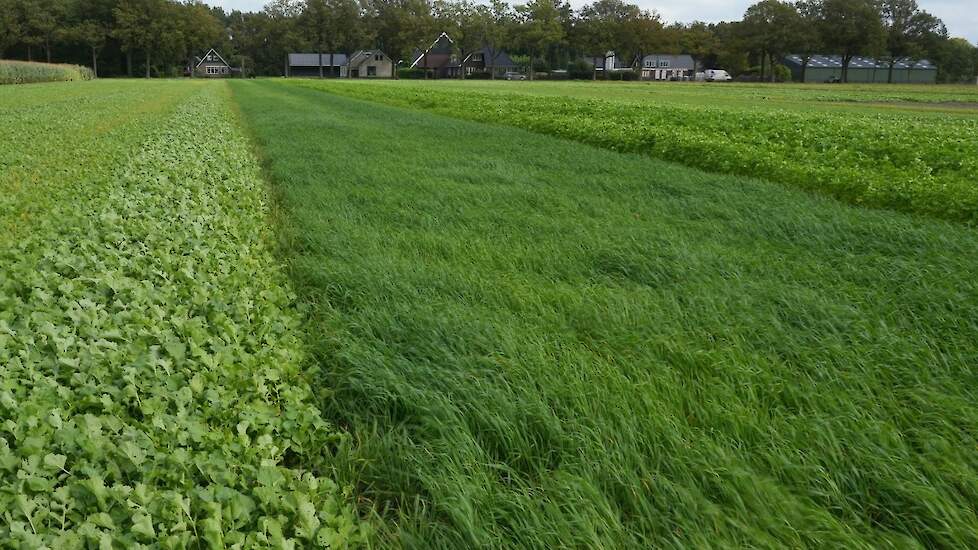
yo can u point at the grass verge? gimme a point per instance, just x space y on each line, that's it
535 343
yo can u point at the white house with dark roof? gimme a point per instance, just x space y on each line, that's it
660 66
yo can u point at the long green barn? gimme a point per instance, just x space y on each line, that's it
828 68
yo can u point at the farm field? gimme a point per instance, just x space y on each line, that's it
150 382
804 97
812 137
323 314
538 343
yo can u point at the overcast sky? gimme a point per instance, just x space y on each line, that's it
960 16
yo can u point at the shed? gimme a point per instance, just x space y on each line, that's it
307 64
828 68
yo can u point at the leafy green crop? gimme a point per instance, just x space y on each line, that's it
911 162
150 382
23 72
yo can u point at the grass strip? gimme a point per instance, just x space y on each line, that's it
150 387
536 343
909 162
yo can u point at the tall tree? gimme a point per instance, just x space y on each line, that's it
130 27
540 27
698 40
42 21
771 28
10 26
493 24
851 28
909 31
644 33
93 35
317 24
401 25
808 41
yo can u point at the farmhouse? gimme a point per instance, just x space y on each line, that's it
828 68
668 67
212 65
439 59
368 64
485 61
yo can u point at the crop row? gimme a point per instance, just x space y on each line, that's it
901 161
150 381
23 72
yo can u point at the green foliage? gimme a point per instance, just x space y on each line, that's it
902 161
782 73
24 72
150 382
409 73
541 344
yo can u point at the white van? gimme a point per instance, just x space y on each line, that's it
717 75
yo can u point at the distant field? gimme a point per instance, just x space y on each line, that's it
763 96
150 391
540 344
917 157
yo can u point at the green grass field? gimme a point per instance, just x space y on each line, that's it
537 343
759 97
325 314
911 160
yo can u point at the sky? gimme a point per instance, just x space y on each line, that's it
960 16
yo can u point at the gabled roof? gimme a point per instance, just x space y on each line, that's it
445 48
312 59
835 62
680 61
358 56
502 58
211 51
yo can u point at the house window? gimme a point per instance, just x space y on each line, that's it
663 63
213 70
377 57
371 70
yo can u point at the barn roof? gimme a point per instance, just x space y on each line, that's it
312 59
835 62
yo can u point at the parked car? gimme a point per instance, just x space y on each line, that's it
512 75
717 75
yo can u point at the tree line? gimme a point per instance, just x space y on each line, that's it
161 37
